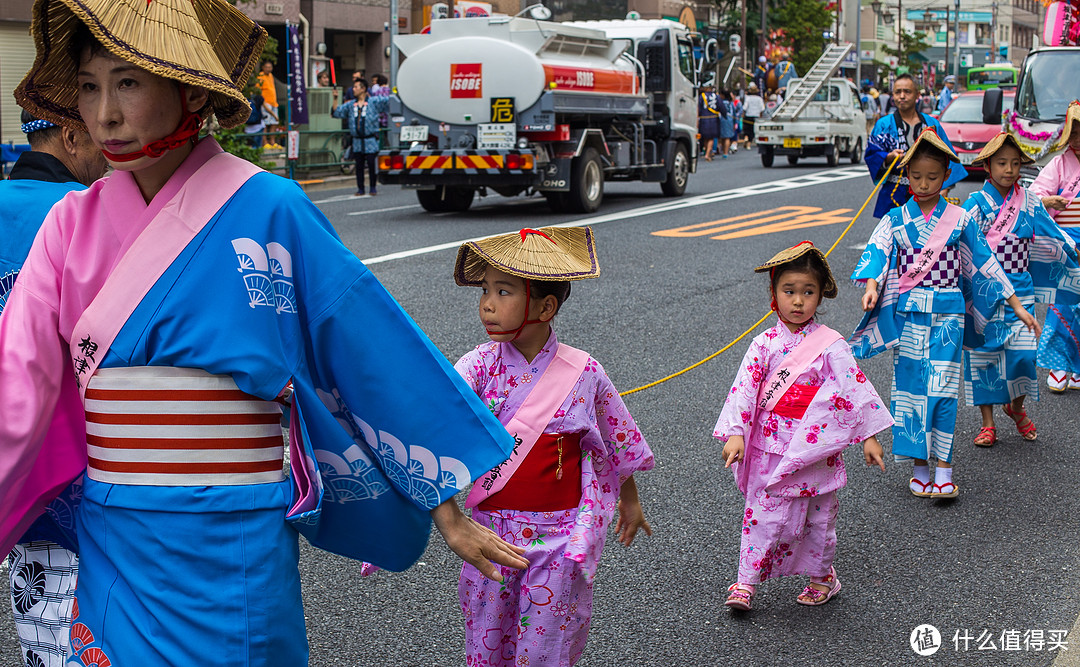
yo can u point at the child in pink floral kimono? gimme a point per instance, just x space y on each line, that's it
799 399
577 449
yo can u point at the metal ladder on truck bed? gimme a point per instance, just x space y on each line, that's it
803 91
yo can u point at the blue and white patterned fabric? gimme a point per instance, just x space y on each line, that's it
925 326
1040 260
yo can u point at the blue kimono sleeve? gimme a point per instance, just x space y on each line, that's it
390 422
983 281
880 328
879 144
1052 261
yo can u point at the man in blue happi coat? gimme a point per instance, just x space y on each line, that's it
44 564
892 135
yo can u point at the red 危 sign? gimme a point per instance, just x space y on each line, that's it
465 80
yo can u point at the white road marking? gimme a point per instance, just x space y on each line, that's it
331 200
383 210
801 181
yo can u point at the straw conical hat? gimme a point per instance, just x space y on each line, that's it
1072 114
206 43
548 253
995 144
930 136
828 290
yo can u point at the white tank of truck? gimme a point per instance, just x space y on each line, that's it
450 73
519 106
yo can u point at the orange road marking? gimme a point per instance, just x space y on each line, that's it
771 221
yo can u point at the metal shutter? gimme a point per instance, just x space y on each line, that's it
16 58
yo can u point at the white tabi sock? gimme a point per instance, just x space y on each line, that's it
942 476
922 473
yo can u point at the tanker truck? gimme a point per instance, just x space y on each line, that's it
518 106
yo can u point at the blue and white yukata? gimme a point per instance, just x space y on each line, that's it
891 133
1040 260
925 325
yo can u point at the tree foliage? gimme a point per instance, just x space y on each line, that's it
912 44
803 21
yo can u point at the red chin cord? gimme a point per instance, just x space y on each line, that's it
189 127
525 319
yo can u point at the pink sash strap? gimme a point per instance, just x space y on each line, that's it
794 365
1072 187
528 423
1006 217
928 256
155 249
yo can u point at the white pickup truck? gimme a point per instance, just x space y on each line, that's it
832 125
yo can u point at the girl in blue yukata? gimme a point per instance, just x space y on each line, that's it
1038 256
926 264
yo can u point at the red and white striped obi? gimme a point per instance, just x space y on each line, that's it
1070 217
163 426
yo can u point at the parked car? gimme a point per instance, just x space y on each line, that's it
963 123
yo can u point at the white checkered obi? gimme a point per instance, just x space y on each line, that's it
944 273
1012 252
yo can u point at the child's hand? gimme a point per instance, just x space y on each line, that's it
873 453
1056 202
631 516
869 297
1024 316
733 450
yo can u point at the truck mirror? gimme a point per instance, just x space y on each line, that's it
711 54
991 106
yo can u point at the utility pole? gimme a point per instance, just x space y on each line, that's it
900 32
946 71
993 35
761 44
393 44
744 44
956 63
858 45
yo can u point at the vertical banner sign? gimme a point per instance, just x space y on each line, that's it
298 92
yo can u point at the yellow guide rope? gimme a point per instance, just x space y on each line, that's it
764 317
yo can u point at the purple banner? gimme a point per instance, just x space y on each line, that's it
298 89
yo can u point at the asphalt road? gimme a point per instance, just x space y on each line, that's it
998 564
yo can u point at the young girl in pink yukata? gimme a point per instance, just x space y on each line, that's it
798 400
577 449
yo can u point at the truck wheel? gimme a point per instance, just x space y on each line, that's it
586 183
444 199
793 159
856 153
833 158
766 157
677 177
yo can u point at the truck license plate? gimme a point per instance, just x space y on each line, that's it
414 133
792 143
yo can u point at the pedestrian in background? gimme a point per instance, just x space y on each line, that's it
948 92
270 117
362 115
754 108
708 119
577 454
727 122
798 400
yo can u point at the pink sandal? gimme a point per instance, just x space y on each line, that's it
1026 432
740 596
812 597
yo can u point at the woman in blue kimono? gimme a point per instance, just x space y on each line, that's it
914 267
183 296
1039 258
